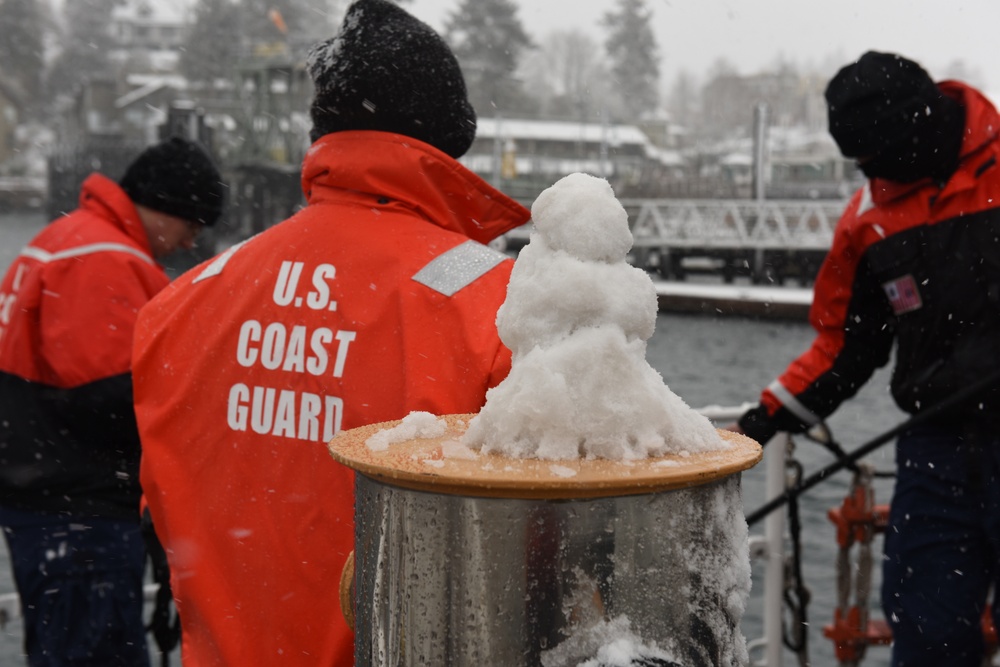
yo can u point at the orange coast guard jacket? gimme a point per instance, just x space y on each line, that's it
68 305
377 299
912 265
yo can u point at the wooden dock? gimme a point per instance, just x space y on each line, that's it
783 303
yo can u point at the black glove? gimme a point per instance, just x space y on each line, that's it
165 624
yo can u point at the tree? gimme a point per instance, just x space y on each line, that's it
566 75
489 40
683 99
225 33
22 47
297 23
211 51
86 40
634 56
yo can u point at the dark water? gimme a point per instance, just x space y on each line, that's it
709 361
706 361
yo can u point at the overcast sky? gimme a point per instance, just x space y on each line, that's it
751 34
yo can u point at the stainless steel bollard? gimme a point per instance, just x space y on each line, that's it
476 576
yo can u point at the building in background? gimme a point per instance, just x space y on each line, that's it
524 156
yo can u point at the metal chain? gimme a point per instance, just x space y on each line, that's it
796 595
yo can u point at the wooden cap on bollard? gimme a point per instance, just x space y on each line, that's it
429 464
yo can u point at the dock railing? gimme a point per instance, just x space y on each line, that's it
769 547
767 240
743 223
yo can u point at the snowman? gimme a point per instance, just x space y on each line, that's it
577 319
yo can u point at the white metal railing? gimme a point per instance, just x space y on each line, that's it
769 547
746 224
737 223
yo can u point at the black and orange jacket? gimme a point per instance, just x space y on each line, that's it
377 299
917 265
68 305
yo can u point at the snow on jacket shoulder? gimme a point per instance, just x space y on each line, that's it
916 264
377 299
68 306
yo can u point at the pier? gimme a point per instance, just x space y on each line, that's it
770 242
729 300
728 257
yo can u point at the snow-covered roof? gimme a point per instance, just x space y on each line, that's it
159 60
158 12
800 140
147 85
172 80
736 160
666 156
614 135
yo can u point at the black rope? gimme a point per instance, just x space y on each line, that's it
935 411
830 444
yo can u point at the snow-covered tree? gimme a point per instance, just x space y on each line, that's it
567 76
211 51
22 46
634 57
86 27
298 23
683 99
488 39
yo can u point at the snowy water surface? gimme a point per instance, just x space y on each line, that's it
706 361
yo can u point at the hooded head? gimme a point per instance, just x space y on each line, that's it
178 178
887 112
387 71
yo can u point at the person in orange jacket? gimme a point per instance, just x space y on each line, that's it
378 298
913 275
69 447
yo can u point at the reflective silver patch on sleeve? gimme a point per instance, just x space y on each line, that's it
461 266
867 202
792 404
219 263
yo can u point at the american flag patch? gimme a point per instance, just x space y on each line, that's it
903 294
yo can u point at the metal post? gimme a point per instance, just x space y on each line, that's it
497 150
604 145
759 150
774 536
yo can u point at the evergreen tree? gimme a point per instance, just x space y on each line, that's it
226 33
22 46
296 23
488 40
634 57
85 44
211 49
683 99
566 76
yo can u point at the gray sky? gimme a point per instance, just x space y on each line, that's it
751 34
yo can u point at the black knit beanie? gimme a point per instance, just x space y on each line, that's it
385 70
887 109
178 178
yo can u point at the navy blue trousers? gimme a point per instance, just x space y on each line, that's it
80 582
942 547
